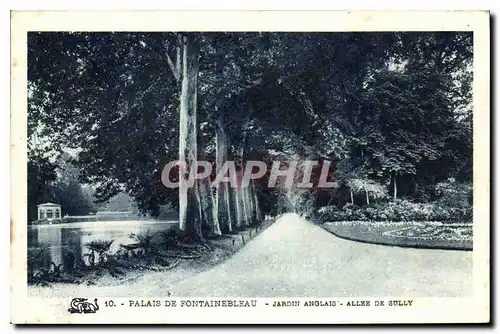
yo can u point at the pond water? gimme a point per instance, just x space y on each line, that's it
69 240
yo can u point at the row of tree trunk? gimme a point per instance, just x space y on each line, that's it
201 212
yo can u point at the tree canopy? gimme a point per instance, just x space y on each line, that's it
393 110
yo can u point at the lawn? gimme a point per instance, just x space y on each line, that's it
405 234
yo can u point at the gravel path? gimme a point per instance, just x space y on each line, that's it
294 258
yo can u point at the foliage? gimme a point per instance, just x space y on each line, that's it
411 125
400 210
373 188
37 258
144 241
101 247
120 202
98 93
41 174
453 194
41 270
57 180
393 110
300 201
172 236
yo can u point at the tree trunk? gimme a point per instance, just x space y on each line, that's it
246 204
237 207
395 186
222 203
249 201
258 213
240 206
352 196
367 198
241 193
253 211
207 208
228 215
189 201
193 222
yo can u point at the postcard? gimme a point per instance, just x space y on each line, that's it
250 167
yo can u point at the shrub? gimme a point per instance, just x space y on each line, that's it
399 210
38 257
41 269
173 235
144 240
375 190
101 247
454 194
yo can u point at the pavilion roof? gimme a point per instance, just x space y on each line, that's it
48 204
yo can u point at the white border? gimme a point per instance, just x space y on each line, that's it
429 309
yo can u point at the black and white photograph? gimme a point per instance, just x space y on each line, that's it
328 169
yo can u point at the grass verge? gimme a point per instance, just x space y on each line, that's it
432 235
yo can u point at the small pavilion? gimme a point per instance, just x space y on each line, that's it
49 211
